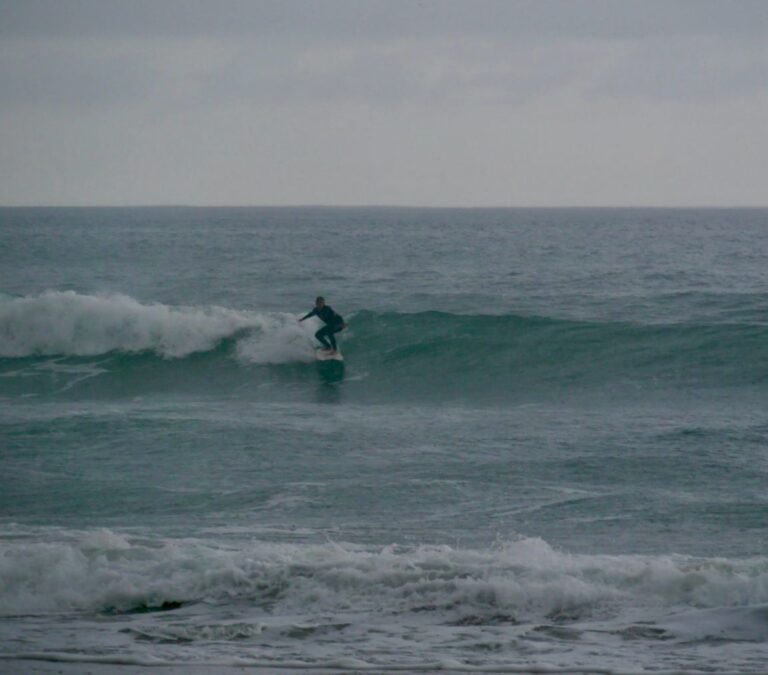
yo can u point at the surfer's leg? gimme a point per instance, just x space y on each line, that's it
334 329
320 335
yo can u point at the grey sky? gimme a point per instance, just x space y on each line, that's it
579 102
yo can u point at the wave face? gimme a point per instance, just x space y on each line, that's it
567 351
428 354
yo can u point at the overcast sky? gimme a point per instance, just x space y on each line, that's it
429 102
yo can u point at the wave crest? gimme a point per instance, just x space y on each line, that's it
74 324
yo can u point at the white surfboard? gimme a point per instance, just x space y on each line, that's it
323 355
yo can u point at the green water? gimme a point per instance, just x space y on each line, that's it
548 433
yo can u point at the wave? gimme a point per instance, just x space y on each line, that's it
71 324
502 608
427 353
521 580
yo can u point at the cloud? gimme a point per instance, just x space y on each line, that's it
346 19
85 53
82 75
574 102
694 68
205 73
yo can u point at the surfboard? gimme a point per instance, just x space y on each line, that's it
323 355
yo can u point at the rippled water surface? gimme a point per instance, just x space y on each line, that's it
547 445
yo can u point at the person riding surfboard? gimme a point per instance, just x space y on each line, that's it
333 324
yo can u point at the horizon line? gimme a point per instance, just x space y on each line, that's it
382 206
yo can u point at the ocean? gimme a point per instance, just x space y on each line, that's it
546 448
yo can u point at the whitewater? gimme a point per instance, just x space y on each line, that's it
546 449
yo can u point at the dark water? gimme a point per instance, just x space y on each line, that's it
547 444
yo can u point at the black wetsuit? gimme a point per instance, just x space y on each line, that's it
333 324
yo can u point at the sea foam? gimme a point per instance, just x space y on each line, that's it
74 324
521 580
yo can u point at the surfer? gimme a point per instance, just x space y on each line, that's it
333 324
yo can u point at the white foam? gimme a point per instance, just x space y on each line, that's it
526 579
281 340
344 664
74 324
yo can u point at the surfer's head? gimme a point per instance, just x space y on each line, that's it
319 302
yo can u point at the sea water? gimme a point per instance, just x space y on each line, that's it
547 446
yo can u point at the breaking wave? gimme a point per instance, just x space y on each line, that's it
521 580
426 354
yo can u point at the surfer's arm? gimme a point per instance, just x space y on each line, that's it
312 313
